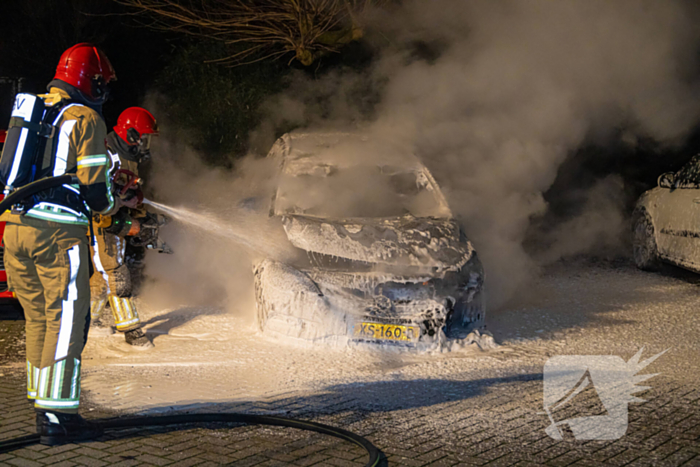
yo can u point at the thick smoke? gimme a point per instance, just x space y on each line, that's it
598 228
220 230
493 96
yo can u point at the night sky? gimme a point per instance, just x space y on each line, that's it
34 33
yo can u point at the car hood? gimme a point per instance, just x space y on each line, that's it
403 241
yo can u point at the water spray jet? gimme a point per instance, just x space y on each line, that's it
238 229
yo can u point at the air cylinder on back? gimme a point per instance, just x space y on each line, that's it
22 141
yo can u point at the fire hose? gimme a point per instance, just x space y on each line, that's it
35 187
134 422
20 194
249 419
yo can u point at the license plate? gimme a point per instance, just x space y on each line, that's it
392 332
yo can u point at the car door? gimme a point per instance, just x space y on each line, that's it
678 217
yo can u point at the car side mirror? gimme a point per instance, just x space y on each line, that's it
666 180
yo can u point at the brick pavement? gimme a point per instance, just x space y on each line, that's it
492 422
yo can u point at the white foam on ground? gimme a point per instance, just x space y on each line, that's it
204 356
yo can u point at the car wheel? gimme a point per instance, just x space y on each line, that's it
646 255
466 317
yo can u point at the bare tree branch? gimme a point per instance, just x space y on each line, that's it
268 28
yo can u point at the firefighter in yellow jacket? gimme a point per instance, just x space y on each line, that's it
128 145
46 242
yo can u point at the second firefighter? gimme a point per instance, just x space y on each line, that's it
111 284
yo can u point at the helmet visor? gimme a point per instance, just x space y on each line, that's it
100 90
145 143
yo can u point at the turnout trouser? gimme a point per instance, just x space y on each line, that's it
48 266
111 281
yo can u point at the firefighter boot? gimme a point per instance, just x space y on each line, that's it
56 428
125 316
137 337
127 320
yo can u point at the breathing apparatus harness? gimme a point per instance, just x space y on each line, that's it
27 191
32 127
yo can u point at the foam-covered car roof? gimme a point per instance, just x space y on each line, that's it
303 151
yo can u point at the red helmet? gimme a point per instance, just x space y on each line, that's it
134 123
86 68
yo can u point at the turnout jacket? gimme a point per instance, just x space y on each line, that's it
118 151
123 158
79 147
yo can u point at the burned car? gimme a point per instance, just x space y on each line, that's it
666 221
385 261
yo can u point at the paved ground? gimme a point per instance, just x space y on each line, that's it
488 415
491 422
